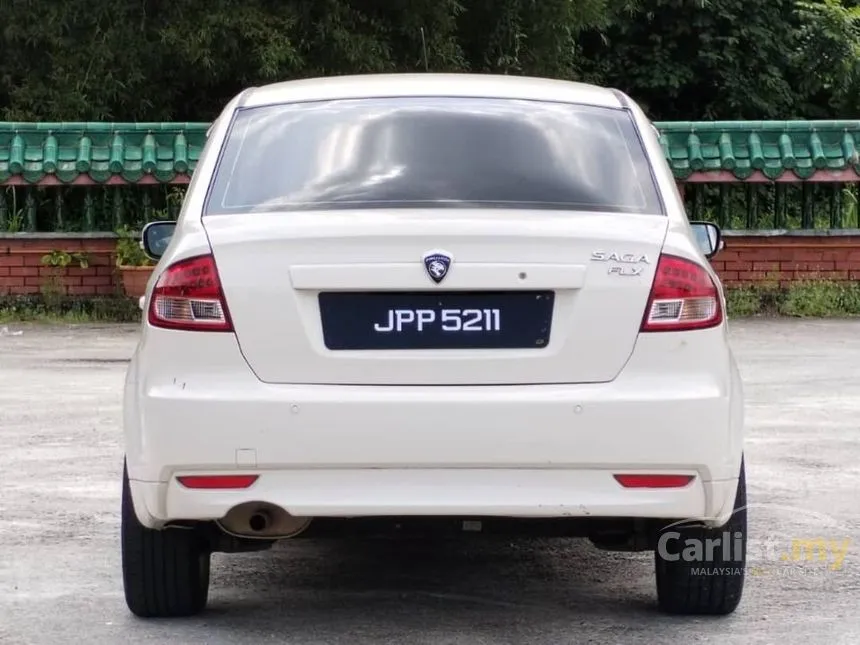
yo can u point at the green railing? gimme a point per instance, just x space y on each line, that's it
795 206
88 177
56 209
786 175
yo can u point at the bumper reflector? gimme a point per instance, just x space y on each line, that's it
654 481
217 481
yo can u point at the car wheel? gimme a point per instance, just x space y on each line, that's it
708 584
165 572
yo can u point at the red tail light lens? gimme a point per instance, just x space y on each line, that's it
188 296
683 297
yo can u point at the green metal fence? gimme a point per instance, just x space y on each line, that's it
102 177
86 208
809 206
795 206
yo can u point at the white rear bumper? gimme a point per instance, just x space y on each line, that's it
527 451
396 492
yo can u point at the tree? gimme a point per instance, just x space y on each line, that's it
828 34
732 59
151 60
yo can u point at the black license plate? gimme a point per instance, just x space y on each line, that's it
432 320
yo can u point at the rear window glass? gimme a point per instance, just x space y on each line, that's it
434 152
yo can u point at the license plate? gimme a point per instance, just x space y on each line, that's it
452 320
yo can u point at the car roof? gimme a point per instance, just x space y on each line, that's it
429 84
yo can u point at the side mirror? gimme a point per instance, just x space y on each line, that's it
156 237
709 237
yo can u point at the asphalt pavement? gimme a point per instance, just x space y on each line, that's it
60 580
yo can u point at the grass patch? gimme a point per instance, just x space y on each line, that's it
809 299
36 308
743 301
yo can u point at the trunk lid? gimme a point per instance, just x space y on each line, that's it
586 275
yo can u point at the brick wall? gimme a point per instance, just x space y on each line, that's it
752 258
786 258
22 271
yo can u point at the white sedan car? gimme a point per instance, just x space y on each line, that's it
463 303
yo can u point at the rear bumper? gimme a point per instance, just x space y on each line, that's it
516 493
520 451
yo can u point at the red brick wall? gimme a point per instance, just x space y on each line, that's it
22 271
745 259
787 258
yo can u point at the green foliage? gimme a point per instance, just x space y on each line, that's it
14 223
804 299
52 288
62 259
68 309
743 301
149 60
733 59
128 250
821 298
829 37
683 59
851 203
11 215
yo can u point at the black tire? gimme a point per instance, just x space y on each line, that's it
710 587
165 573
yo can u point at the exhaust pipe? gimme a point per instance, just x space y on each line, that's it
261 520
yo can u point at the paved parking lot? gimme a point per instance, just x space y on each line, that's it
60 467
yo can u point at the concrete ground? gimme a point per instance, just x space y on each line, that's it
60 466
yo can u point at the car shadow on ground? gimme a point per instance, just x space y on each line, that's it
477 587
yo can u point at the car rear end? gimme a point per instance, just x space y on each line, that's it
300 356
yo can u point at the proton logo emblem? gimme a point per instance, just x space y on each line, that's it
437 264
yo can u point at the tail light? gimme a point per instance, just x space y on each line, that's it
188 296
683 297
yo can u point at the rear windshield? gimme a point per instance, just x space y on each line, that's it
434 152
